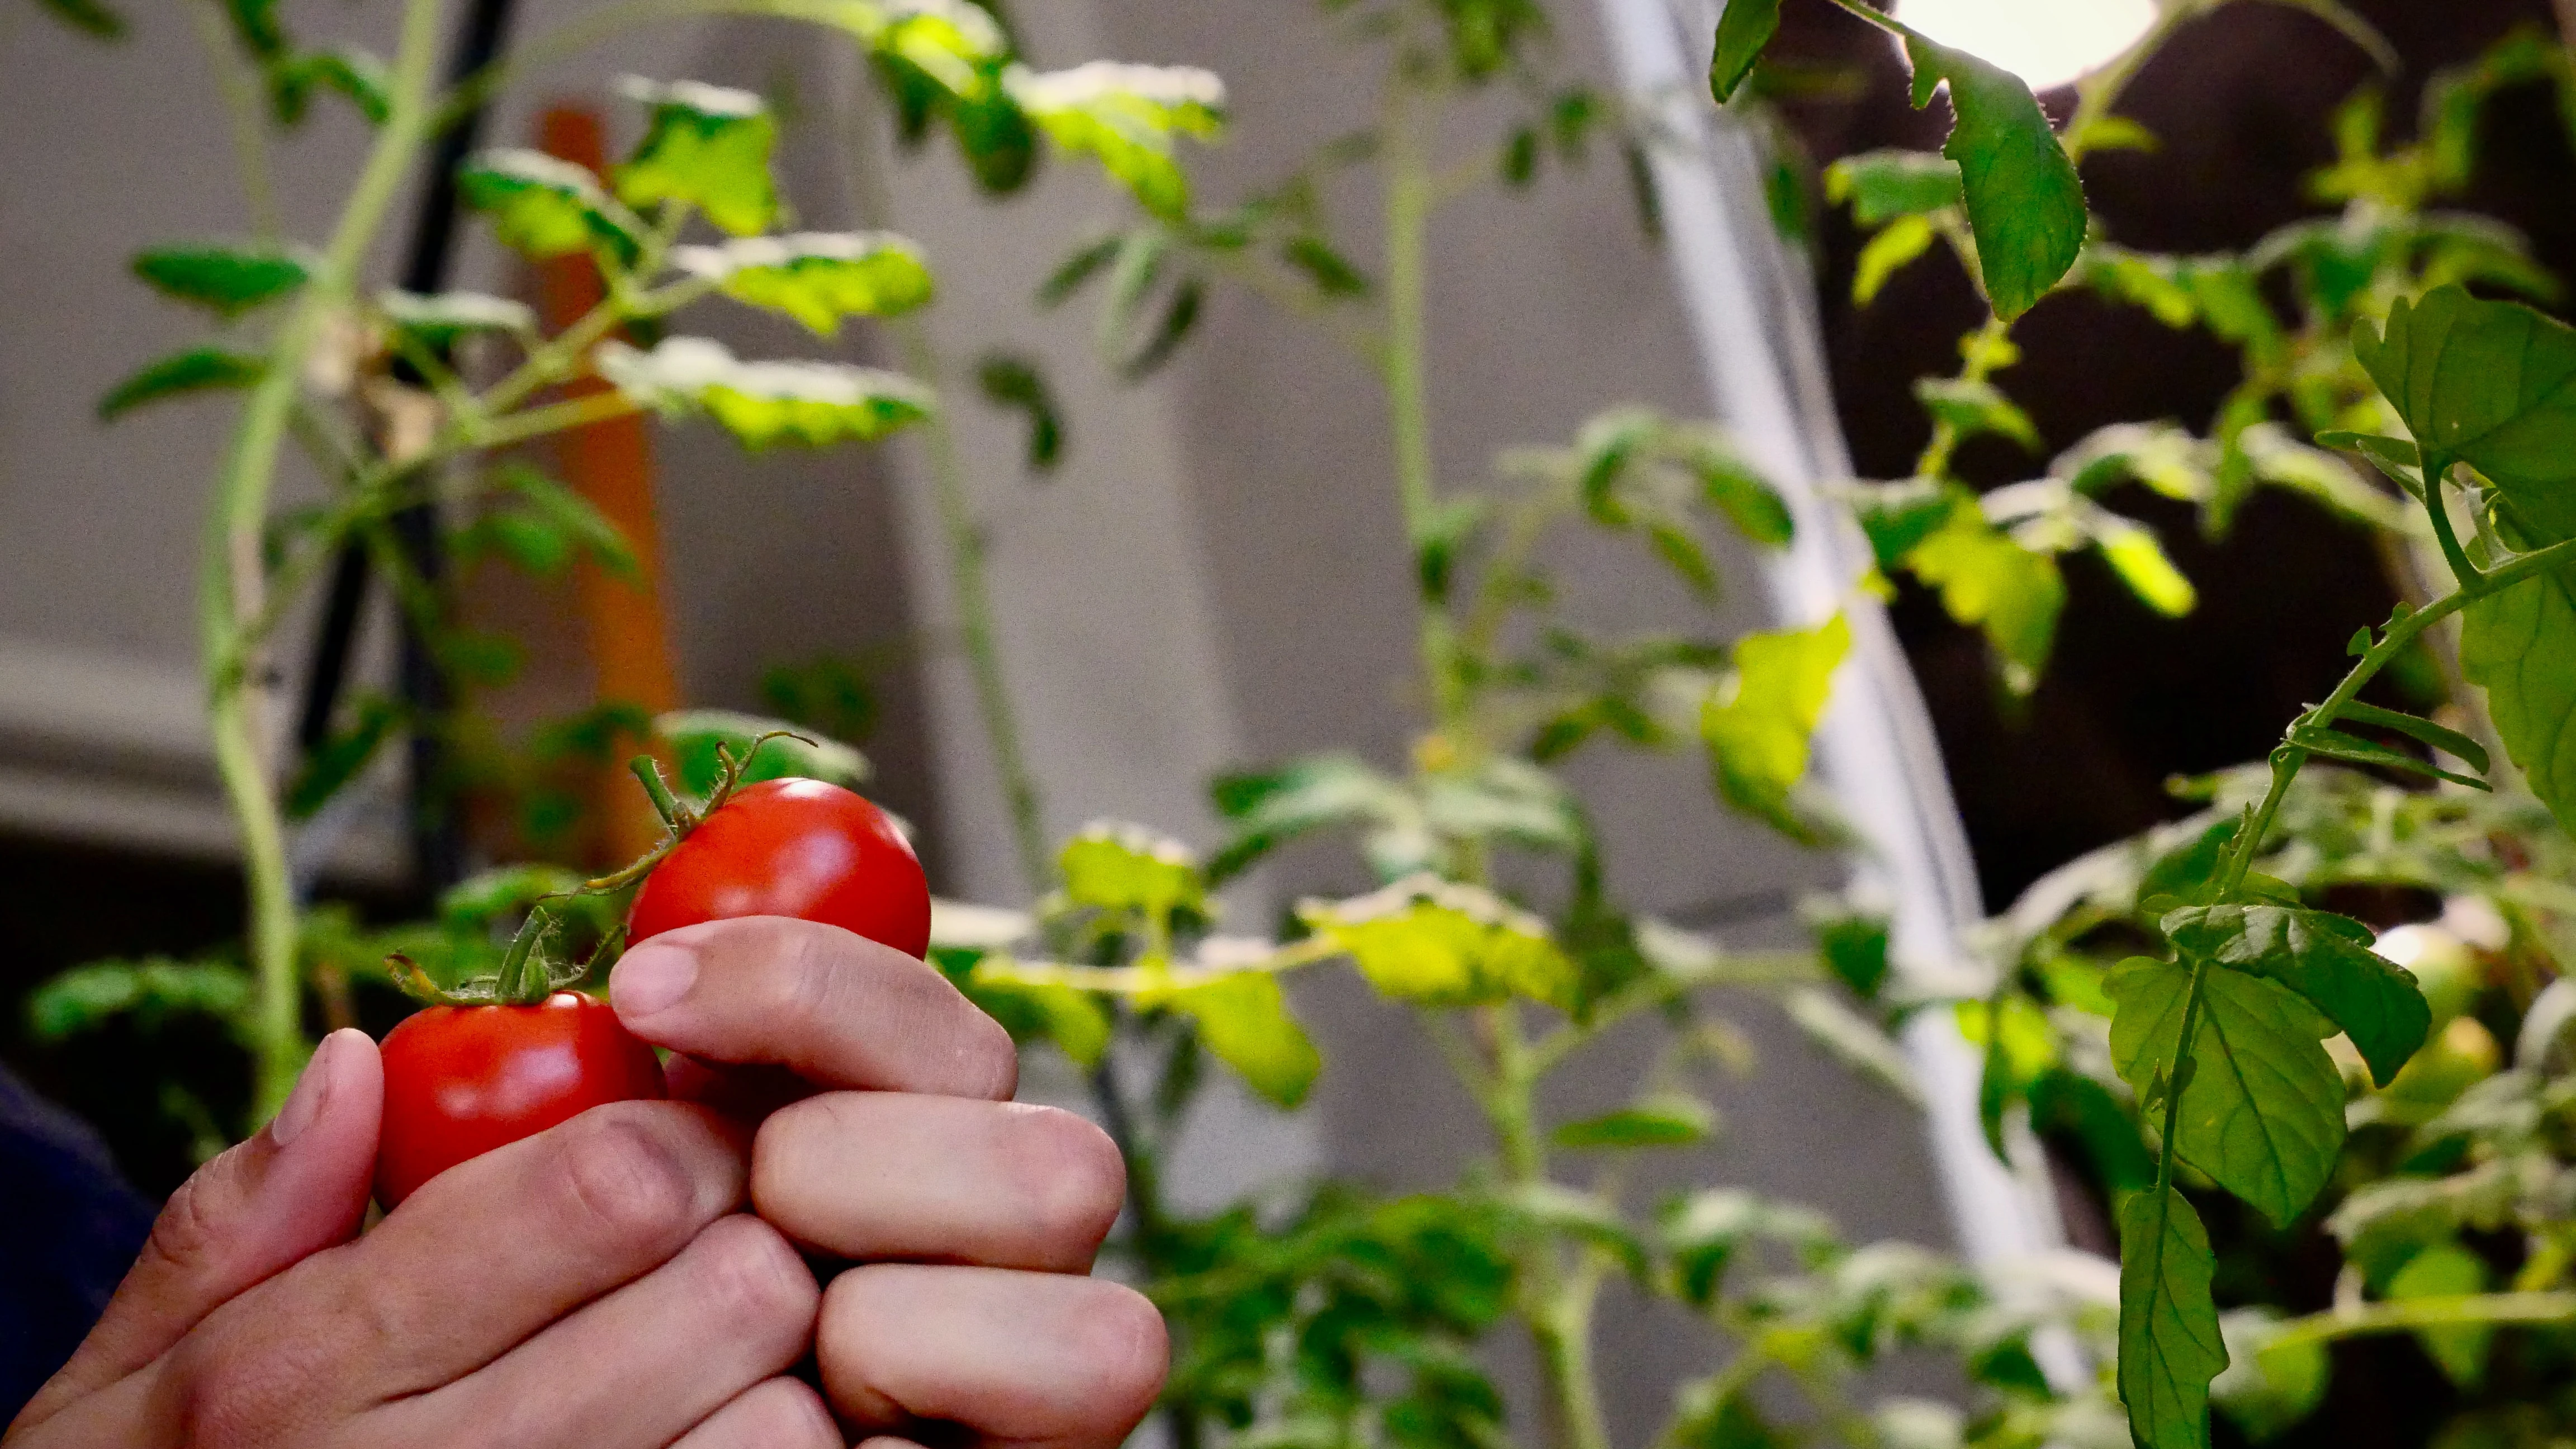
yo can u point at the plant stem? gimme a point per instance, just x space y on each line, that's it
2413 1314
970 591
1555 1303
1401 370
2393 642
232 585
242 108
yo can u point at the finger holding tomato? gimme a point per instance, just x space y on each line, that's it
973 1219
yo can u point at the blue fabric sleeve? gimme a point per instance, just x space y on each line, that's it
69 1229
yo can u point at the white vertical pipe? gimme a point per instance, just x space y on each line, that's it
1875 751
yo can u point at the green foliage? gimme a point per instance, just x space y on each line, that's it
2024 202
2267 1389
150 991
1129 117
695 734
542 526
1885 186
2489 384
818 278
544 207
2519 645
2262 1103
706 147
354 75
436 323
226 281
1243 1020
88 17
1757 727
1743 28
1667 1119
2326 959
343 754
813 404
1127 868
199 369
1015 383
1988 580
2170 1346
1439 943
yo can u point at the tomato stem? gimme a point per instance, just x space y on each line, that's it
676 817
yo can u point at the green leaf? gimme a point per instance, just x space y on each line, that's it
436 323
1269 808
2491 384
549 524
88 17
542 206
1852 942
1128 116
2519 645
1974 408
2170 1346
1439 943
2262 1103
342 755
2334 744
1988 580
1896 245
2139 559
694 734
1705 1232
2442 1271
1015 382
704 146
1743 28
1112 866
761 403
2440 737
1075 1021
199 369
2325 958
356 75
226 281
2268 1390
2025 204
1886 186
1897 516
1587 1218
818 278
1333 274
1666 1120
1758 725
151 991
1244 1020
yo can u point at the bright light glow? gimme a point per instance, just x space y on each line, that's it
2047 43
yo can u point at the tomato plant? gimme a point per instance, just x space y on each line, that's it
792 847
461 1080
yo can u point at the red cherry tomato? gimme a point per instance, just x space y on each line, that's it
462 1080
799 848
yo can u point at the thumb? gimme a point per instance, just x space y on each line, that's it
296 1188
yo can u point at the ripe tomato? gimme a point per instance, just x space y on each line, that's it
462 1080
799 848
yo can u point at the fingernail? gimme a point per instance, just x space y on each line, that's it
305 1102
651 978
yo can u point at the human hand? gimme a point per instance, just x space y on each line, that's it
972 1218
590 1286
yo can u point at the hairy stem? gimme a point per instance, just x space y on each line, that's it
1402 365
971 594
232 587
1556 1299
244 111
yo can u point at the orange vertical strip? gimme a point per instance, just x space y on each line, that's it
610 463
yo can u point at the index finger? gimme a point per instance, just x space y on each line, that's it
837 1009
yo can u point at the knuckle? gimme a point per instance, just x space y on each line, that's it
238 1389
1071 1176
623 1179
755 1283
192 1227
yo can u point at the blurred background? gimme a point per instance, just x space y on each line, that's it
1213 576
